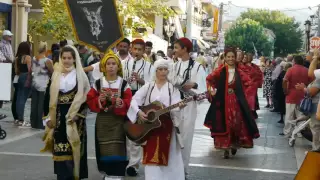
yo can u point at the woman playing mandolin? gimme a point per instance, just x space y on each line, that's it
110 97
162 150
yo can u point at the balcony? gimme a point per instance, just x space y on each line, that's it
179 6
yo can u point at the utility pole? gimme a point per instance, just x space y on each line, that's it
190 10
220 17
318 20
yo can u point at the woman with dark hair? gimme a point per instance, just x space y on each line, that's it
229 117
22 84
65 135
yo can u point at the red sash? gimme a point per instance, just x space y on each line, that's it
156 150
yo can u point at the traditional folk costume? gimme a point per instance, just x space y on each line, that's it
67 141
144 69
229 117
110 138
256 77
188 71
162 151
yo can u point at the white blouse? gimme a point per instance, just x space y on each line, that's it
156 94
111 84
68 82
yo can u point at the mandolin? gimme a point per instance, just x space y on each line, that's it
139 132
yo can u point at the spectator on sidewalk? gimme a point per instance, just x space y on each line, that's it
42 67
2 59
6 55
23 87
296 75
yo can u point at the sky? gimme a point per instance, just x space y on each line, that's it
299 15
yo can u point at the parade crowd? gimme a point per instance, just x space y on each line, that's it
69 81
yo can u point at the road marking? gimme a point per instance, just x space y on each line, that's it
244 169
191 165
22 136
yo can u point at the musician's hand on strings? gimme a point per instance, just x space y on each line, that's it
188 86
182 105
119 103
142 115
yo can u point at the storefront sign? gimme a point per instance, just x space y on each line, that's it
315 43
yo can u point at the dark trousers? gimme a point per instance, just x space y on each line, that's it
14 102
59 177
37 103
47 100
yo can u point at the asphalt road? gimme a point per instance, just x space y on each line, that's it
270 159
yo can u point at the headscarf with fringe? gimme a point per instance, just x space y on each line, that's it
80 98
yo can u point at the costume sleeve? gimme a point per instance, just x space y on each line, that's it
201 76
137 100
248 88
127 96
96 74
258 76
93 100
149 73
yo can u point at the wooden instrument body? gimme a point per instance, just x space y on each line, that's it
139 131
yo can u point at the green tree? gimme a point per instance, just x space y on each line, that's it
286 29
54 22
246 33
143 11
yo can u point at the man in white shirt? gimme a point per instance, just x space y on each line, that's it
123 50
136 71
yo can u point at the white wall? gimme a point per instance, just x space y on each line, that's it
6 1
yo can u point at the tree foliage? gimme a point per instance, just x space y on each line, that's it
143 11
246 34
286 29
54 22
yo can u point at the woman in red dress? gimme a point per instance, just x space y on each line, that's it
256 77
229 117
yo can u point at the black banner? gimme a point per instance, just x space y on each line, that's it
95 23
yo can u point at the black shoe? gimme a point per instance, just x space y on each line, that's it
226 154
267 106
281 121
274 110
131 171
234 152
281 134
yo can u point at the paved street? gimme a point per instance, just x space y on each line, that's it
271 159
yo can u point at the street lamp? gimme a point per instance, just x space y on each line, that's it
307 29
169 29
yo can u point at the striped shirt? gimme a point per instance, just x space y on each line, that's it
6 49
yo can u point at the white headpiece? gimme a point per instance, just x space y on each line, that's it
161 63
317 73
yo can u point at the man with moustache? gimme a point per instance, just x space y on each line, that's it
123 50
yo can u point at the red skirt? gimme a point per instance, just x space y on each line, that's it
238 135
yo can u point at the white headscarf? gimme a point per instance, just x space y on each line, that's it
80 98
317 73
160 63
